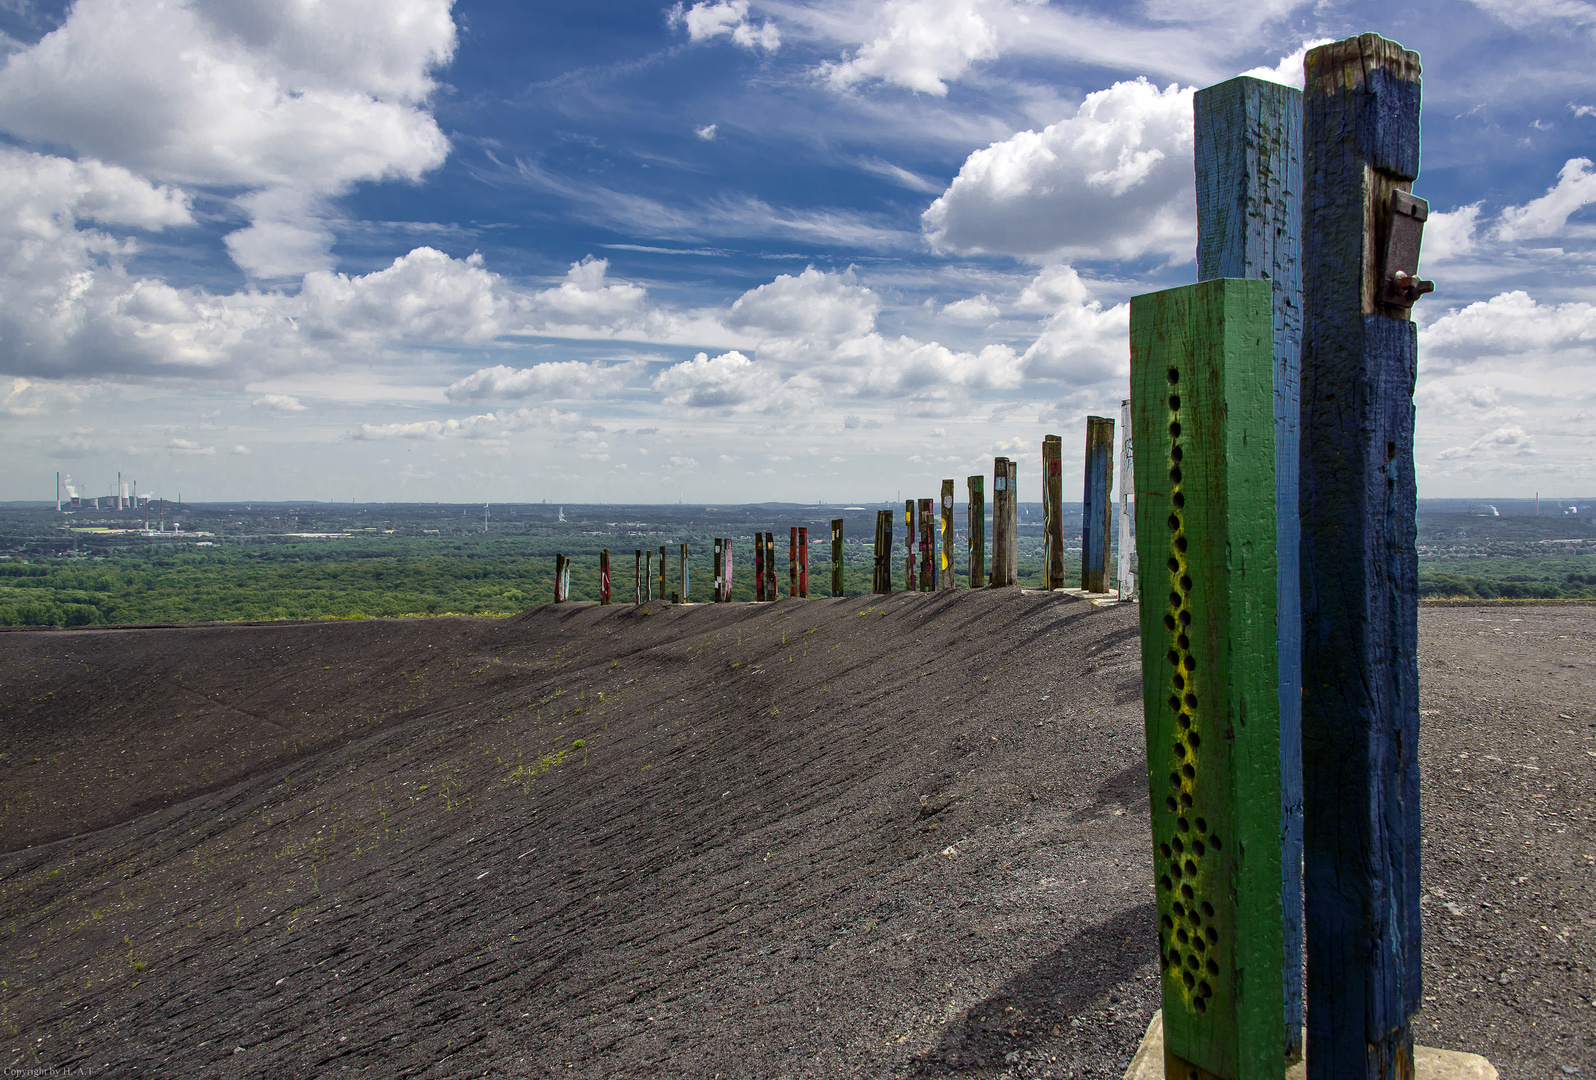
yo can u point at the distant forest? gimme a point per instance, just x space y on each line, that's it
257 562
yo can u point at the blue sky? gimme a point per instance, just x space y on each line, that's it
722 251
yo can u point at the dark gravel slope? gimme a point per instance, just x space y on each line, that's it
822 838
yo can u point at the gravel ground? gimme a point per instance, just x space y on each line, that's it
869 837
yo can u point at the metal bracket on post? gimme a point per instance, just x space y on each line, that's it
1400 285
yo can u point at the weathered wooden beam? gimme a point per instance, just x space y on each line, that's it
883 581
637 582
1005 523
1097 508
1249 225
908 545
975 512
562 578
719 556
604 577
662 572
1126 584
1202 401
687 595
928 562
836 556
803 561
792 562
770 566
1360 694
727 576
1052 512
759 567
945 576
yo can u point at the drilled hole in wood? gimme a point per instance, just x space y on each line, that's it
1180 544
1174 429
1164 848
1198 848
1174 565
1185 583
1182 937
1174 778
1202 825
1183 825
1169 622
1191 701
1166 883
1208 909
1188 772
1213 842
1195 743
1170 802
1180 752
1174 600
1183 720
1183 642
1213 936
1174 375
1179 680
1174 657
1174 523
1179 500
1174 475
1174 402
1185 800
1185 618
1189 979
1174 704
1176 453
1191 868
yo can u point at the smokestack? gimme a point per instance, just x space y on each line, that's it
119 490
58 492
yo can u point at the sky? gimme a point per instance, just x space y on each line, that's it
725 251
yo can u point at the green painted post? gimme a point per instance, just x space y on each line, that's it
945 579
1202 401
976 514
1052 512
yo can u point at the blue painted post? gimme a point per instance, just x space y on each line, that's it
1360 704
1249 225
1097 509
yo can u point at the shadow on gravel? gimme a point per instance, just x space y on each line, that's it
1038 1004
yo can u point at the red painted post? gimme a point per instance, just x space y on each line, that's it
770 567
803 562
908 545
792 562
759 567
928 563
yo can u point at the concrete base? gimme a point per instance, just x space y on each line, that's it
1428 1062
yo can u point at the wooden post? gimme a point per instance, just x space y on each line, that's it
718 556
604 577
803 562
637 585
1005 523
648 574
1052 512
687 596
662 572
770 566
909 575
975 513
1201 377
1127 484
883 578
759 567
1360 693
792 561
1249 225
562 570
945 575
836 556
928 563
1097 508
726 576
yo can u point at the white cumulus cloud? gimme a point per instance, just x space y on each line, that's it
1113 180
1546 216
294 102
710 19
558 379
922 44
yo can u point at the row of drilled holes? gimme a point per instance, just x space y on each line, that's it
1187 940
